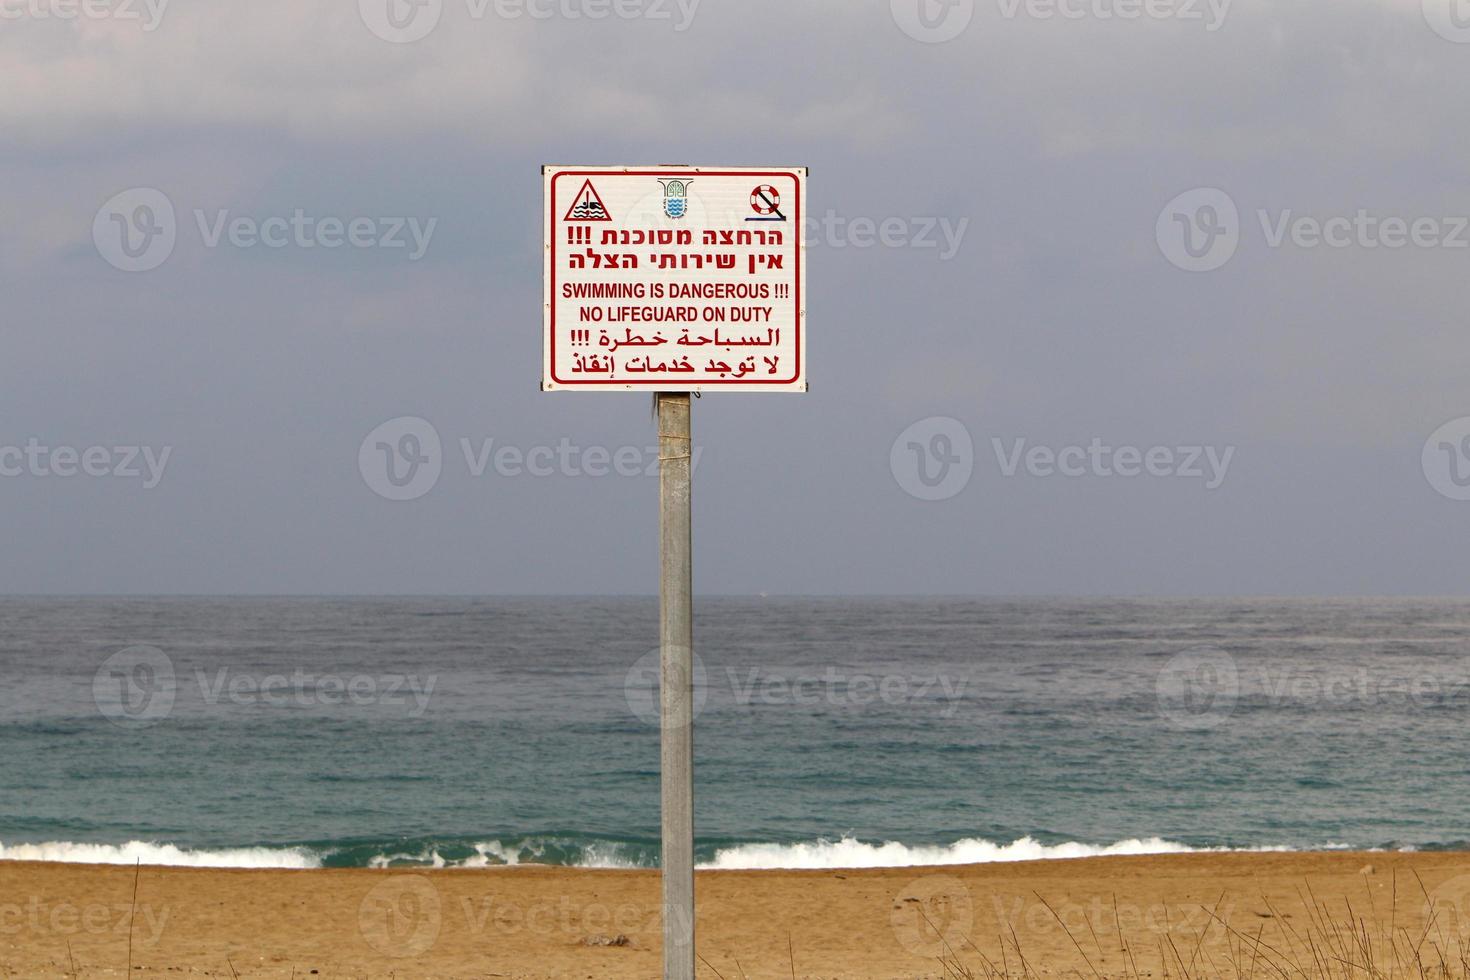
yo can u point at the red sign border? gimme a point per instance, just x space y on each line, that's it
794 382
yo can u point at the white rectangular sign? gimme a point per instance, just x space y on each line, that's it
675 279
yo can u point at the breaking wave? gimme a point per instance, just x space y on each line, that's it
569 850
135 852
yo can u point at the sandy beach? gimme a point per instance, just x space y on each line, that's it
1293 914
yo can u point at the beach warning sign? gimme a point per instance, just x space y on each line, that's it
674 279
587 206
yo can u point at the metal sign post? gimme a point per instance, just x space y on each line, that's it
676 682
675 280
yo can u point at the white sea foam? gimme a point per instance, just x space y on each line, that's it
598 854
851 853
134 852
846 852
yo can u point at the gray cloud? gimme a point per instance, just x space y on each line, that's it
1057 320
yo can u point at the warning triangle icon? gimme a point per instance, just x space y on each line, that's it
587 206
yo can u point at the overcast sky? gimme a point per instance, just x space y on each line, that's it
1034 285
